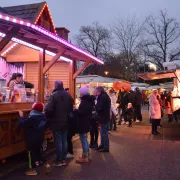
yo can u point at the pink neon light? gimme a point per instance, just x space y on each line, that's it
28 24
0 16
14 20
56 38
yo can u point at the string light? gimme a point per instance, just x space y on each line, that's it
17 41
55 37
9 49
42 10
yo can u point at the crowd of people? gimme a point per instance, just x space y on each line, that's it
99 110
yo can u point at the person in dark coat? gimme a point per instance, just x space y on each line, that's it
94 133
130 114
84 116
34 126
132 100
57 110
119 108
103 108
124 103
71 132
138 98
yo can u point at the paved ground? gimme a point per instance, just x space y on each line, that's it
135 155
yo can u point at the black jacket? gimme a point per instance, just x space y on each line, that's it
130 113
124 99
34 128
138 98
59 106
103 107
132 97
84 114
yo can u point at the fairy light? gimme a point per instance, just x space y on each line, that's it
14 20
42 10
51 18
55 37
17 41
9 49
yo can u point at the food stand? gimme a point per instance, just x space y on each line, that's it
173 73
95 80
38 49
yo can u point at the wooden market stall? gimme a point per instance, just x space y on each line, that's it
95 80
175 75
22 41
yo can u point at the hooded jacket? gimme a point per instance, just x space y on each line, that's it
34 126
84 114
58 108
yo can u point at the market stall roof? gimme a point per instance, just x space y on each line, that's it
158 75
95 79
24 32
27 11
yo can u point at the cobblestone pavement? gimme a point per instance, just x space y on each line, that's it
134 155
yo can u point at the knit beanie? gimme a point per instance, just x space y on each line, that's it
38 106
84 90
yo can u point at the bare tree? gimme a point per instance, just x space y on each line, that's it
128 38
95 39
162 36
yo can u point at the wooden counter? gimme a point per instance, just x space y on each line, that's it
10 107
11 136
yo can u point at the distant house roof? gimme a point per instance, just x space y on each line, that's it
29 11
95 79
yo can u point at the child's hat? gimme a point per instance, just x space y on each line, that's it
38 106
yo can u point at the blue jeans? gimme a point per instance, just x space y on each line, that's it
85 144
60 138
104 136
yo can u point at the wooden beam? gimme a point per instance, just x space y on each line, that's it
12 33
80 69
72 82
53 60
41 75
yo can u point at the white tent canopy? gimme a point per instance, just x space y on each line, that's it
95 79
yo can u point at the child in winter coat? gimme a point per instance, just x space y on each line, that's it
130 114
34 126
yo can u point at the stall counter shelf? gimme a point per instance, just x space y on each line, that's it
11 136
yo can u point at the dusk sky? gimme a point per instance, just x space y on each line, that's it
72 14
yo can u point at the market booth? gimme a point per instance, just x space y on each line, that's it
95 80
172 73
43 57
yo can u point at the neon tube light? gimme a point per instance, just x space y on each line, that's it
51 35
9 49
17 41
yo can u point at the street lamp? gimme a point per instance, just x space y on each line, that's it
106 73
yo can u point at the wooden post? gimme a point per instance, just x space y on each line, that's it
53 60
72 81
80 69
41 75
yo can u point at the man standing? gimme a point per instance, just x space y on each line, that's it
138 100
59 106
103 107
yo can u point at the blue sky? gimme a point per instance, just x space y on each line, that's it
72 14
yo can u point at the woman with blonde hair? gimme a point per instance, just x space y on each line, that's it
155 111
